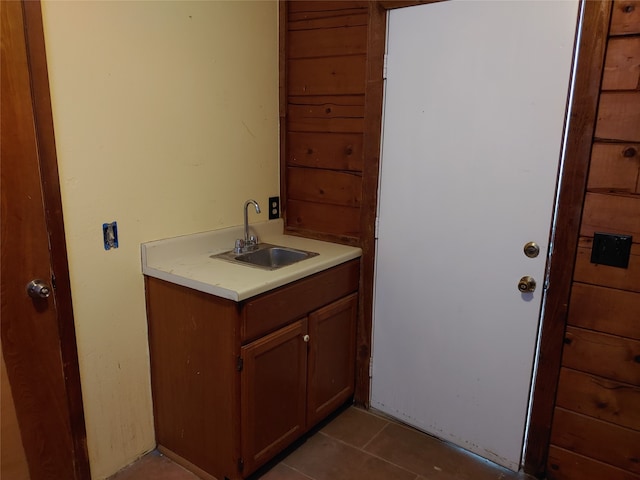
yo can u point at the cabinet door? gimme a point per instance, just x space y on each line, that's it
332 343
273 383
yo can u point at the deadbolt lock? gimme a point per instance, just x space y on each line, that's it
527 284
531 249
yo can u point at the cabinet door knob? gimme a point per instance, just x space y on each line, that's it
305 338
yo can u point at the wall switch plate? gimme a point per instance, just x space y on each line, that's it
611 249
274 207
110 235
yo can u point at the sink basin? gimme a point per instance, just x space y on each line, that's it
267 256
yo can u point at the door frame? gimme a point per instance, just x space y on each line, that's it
570 196
48 163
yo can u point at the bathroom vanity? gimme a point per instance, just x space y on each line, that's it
242 370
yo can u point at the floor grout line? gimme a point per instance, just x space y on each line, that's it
376 434
372 455
296 470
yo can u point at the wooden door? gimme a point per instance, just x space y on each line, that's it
472 138
13 462
38 343
273 390
332 353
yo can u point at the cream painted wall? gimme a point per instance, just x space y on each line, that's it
166 120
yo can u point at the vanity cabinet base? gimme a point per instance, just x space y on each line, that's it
233 383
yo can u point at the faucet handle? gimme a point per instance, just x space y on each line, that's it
253 240
239 246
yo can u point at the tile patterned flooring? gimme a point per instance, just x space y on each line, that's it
355 445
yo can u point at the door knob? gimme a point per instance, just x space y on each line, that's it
527 284
38 289
305 338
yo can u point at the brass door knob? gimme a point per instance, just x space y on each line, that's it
527 284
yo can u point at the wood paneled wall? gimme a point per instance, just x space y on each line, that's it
331 106
323 123
596 424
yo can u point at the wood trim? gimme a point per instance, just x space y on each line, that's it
43 116
569 209
376 44
282 103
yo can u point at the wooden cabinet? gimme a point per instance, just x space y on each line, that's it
331 358
273 391
235 383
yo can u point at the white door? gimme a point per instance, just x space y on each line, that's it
475 102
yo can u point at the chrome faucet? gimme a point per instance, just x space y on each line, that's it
249 242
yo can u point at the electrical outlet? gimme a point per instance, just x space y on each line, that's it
611 249
274 207
110 235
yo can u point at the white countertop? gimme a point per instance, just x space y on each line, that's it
186 261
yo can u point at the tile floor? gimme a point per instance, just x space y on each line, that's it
355 445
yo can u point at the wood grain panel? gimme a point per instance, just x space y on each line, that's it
323 114
13 461
324 186
605 310
615 167
185 341
604 275
565 465
325 6
332 151
327 76
327 19
318 217
625 18
273 399
321 7
608 356
600 398
332 357
622 64
611 213
327 43
594 438
274 309
619 116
